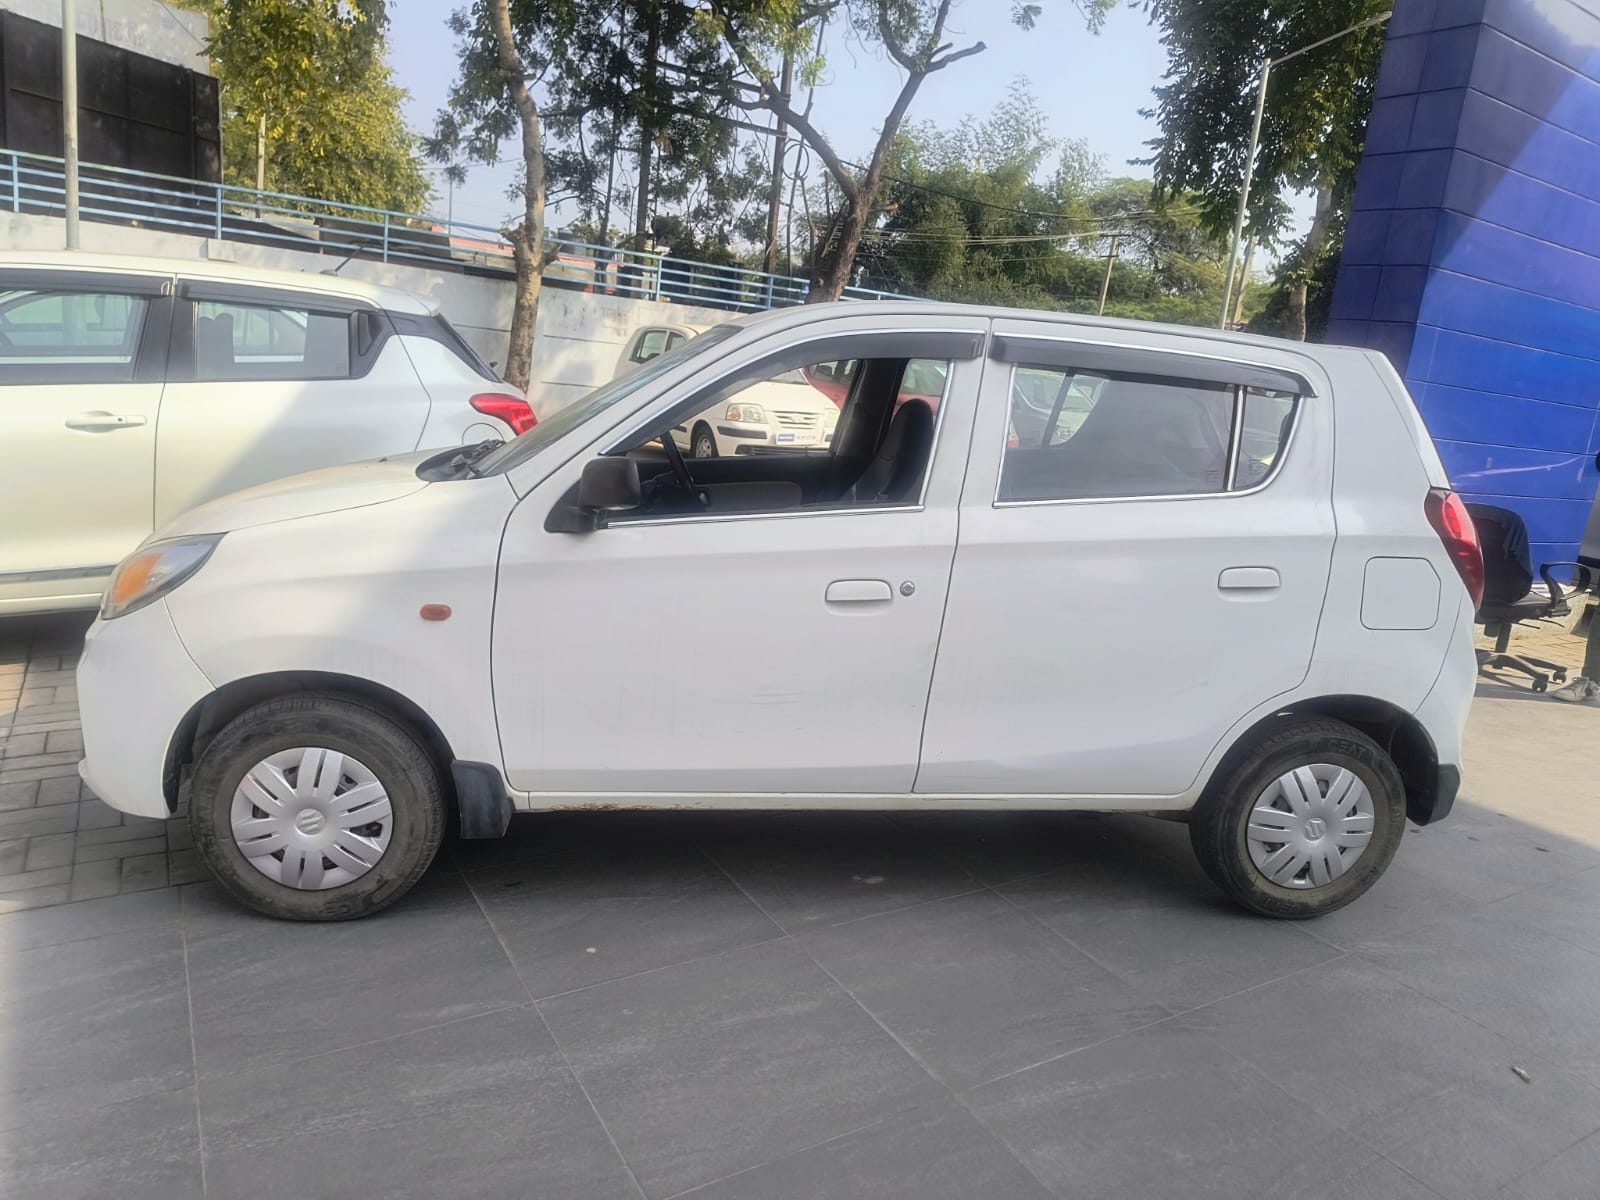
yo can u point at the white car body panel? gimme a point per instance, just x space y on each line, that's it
1084 656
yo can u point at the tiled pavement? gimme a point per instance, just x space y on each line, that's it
786 1006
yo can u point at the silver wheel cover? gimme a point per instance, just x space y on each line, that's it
1310 826
311 818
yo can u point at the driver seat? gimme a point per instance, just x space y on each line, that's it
896 470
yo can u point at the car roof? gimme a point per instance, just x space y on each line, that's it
805 313
392 298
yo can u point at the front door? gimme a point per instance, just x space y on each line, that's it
1143 566
81 358
786 647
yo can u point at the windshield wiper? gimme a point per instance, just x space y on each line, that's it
464 460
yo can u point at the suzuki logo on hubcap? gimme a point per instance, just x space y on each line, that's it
309 822
1316 827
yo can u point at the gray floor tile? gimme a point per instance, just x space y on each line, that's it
1000 847
1487 856
38 822
1158 1114
933 1151
265 990
1173 936
19 795
14 855
582 919
35 897
91 1023
92 880
1538 991
1430 1090
478 1108
820 869
60 791
1568 908
703 1070
52 850
1570 1175
976 988
93 919
144 1149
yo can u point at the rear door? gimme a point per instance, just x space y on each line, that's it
266 383
81 359
1145 566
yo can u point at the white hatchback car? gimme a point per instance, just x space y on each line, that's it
132 389
1238 590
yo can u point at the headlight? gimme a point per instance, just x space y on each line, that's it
152 571
752 413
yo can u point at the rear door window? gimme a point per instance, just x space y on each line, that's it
69 336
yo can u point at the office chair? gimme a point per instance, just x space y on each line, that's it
1508 593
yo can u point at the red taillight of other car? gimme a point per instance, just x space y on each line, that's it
1453 523
513 410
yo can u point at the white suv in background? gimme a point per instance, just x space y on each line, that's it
1212 576
786 412
132 389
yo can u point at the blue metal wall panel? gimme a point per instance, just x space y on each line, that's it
1473 248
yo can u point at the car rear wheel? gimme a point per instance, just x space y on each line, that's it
704 443
1303 822
316 807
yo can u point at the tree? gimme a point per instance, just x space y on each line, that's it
999 211
309 105
910 32
491 100
1314 125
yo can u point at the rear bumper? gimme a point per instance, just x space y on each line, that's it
1424 808
136 683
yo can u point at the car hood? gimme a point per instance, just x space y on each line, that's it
331 489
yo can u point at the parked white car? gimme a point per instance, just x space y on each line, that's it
785 412
133 389
1207 598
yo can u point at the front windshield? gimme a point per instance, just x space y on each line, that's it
562 422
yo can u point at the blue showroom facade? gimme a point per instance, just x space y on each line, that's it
1472 255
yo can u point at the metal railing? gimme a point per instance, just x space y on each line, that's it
35 183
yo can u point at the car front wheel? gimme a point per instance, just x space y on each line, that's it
1303 822
316 807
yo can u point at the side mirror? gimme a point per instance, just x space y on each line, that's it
609 485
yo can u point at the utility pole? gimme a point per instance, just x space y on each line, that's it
1244 280
69 114
1105 284
780 144
1255 140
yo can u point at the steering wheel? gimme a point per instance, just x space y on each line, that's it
680 468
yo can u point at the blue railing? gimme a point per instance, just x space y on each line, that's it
34 183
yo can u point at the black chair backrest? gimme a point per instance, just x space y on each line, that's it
1507 568
901 459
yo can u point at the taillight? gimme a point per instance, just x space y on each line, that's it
1453 523
513 410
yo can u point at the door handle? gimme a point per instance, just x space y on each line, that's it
1246 579
104 420
859 591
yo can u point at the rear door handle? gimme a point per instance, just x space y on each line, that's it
1245 579
104 420
859 591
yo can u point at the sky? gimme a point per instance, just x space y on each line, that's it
1091 86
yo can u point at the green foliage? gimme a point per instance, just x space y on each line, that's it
998 211
315 70
1317 103
606 95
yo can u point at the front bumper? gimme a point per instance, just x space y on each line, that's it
136 683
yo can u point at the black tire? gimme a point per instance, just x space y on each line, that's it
702 442
1217 827
393 753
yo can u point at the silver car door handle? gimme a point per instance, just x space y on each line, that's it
104 420
858 591
1244 579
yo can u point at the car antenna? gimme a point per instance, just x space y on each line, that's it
343 262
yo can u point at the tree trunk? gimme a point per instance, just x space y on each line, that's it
647 124
527 238
1310 254
780 140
